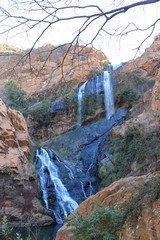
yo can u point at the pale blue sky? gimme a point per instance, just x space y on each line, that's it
116 50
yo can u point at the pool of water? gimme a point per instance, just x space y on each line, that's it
36 233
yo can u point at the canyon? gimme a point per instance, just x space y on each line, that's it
20 187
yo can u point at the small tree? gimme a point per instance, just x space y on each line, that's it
16 97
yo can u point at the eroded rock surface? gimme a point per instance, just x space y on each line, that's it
19 188
49 70
118 196
14 140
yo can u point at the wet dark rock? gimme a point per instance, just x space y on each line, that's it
77 154
58 105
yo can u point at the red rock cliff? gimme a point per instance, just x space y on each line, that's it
18 186
14 140
118 196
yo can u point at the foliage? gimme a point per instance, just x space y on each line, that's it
141 83
18 236
150 188
106 64
129 96
91 104
6 230
16 96
6 170
130 89
102 223
67 94
8 233
41 113
31 156
134 147
126 94
56 96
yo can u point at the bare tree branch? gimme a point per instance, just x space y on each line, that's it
26 16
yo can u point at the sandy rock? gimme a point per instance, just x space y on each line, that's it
118 195
14 140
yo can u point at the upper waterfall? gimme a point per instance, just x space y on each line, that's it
108 95
96 87
80 99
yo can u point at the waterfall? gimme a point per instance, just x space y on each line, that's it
96 86
108 92
48 171
80 99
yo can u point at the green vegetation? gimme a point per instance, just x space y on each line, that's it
6 231
63 151
141 83
106 64
41 113
128 95
91 104
16 97
134 147
56 96
6 170
150 189
106 224
102 224
66 94
130 89
8 234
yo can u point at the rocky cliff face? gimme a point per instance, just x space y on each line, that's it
19 188
14 140
147 66
49 70
50 73
118 196
144 116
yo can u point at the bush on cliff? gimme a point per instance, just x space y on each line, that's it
129 88
136 147
102 223
41 113
150 189
16 97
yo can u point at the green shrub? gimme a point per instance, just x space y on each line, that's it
6 231
150 188
130 88
102 224
56 96
41 113
134 147
127 94
16 97
6 170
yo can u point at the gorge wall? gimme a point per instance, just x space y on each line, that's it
19 188
143 115
52 70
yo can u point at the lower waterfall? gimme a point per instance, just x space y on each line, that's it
49 176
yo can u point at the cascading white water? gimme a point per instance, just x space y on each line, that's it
108 92
95 87
65 202
80 99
